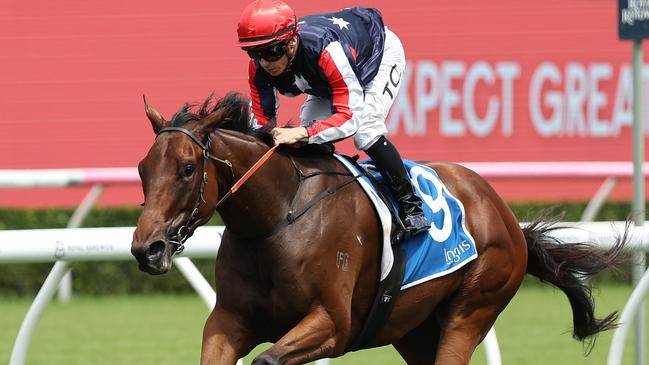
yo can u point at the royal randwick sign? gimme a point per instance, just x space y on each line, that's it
633 19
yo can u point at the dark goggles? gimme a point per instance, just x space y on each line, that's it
270 53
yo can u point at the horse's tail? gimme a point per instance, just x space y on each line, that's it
568 266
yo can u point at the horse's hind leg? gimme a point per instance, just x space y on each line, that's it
467 317
447 337
461 334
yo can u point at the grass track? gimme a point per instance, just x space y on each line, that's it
160 330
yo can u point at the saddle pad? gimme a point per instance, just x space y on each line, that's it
445 248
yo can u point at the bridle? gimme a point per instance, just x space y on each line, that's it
181 236
293 214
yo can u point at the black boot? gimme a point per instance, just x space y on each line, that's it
388 162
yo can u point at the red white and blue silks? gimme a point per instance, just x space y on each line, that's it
445 248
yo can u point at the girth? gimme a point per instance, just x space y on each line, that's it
390 288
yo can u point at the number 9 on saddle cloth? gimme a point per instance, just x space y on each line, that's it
447 246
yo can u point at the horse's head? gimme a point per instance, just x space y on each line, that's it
178 195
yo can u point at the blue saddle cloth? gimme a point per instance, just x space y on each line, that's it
447 246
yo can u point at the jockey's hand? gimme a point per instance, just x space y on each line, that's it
289 135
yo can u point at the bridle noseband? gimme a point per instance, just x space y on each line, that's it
183 232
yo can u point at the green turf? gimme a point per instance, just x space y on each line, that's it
167 330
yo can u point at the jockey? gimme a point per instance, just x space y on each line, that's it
350 65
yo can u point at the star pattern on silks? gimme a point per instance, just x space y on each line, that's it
339 22
301 83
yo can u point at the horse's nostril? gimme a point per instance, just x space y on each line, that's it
136 252
155 250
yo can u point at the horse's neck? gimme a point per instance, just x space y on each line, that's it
261 201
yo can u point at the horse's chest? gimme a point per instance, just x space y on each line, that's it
277 303
283 292
260 288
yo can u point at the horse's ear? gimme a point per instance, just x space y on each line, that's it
213 120
157 121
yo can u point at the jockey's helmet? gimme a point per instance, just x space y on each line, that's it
264 22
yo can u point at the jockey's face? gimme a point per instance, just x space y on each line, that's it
275 59
277 67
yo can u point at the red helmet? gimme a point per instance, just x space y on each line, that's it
266 21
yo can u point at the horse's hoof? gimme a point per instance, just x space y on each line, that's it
265 359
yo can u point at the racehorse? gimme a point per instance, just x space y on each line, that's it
283 282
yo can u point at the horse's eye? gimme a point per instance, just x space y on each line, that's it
189 170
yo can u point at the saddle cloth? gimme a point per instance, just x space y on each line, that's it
446 247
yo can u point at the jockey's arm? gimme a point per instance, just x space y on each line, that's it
347 101
263 98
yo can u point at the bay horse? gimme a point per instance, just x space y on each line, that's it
283 283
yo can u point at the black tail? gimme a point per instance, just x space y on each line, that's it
568 267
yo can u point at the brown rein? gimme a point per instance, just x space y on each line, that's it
247 175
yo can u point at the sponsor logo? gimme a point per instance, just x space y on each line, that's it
455 255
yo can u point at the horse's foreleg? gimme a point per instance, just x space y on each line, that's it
313 338
225 339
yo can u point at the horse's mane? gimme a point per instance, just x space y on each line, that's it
237 116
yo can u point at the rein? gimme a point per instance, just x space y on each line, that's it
247 175
293 214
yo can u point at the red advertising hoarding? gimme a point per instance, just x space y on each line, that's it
486 81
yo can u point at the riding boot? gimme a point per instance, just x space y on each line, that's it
387 160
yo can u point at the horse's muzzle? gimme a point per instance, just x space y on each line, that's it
155 257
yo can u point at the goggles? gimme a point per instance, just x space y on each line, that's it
270 53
